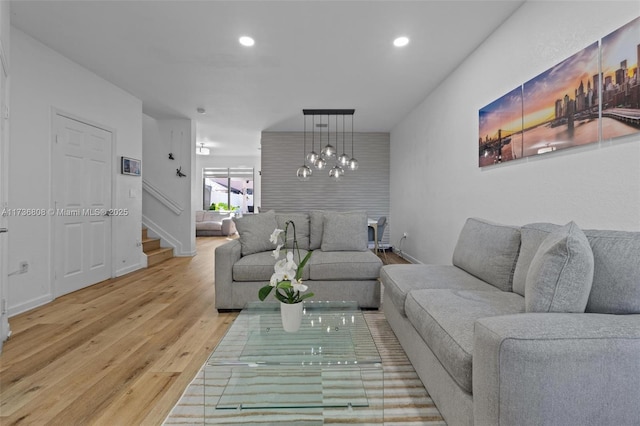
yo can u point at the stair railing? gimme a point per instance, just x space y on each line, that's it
162 197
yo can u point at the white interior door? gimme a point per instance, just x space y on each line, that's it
82 199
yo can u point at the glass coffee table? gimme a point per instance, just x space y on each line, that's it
328 371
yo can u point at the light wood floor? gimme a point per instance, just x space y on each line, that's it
120 352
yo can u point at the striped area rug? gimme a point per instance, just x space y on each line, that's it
406 402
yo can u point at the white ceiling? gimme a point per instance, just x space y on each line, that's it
179 55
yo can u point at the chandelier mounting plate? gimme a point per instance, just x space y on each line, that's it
328 111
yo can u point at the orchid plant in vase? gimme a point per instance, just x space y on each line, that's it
287 276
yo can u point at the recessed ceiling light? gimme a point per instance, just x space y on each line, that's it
201 110
246 41
401 41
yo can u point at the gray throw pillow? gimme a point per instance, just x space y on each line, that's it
316 228
254 231
345 232
561 272
488 251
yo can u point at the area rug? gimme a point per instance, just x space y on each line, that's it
406 401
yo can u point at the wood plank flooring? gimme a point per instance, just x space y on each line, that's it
120 352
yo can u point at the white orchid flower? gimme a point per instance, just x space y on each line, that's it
274 280
298 286
274 235
291 264
276 252
284 270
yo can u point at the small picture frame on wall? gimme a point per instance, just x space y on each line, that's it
130 166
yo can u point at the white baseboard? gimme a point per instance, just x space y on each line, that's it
29 304
407 257
129 269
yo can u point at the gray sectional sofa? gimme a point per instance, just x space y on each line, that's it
532 325
340 268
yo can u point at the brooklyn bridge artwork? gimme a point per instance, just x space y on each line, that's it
568 104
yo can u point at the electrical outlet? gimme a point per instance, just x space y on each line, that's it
24 266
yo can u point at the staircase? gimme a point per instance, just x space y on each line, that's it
155 253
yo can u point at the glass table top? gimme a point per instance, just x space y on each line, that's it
330 362
331 334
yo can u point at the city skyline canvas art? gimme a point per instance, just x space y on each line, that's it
620 81
561 105
500 129
592 96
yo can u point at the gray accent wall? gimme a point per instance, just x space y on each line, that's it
365 189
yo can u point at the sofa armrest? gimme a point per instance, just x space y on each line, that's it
228 226
226 256
569 369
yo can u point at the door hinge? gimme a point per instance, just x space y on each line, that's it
4 307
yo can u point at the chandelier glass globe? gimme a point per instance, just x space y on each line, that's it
328 153
336 173
304 173
312 157
343 160
353 164
320 164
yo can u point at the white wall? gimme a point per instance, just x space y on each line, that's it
435 179
4 164
213 160
160 137
43 80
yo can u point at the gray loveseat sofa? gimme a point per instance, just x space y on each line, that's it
532 325
340 268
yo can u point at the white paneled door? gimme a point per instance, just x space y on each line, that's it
82 199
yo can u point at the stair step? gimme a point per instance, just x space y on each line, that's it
149 244
145 236
159 255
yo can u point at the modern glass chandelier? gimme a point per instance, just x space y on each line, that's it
329 153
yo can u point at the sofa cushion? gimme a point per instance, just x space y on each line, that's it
259 266
531 235
345 232
616 272
445 320
316 228
199 215
561 272
301 221
214 216
255 230
356 265
399 280
209 226
488 251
